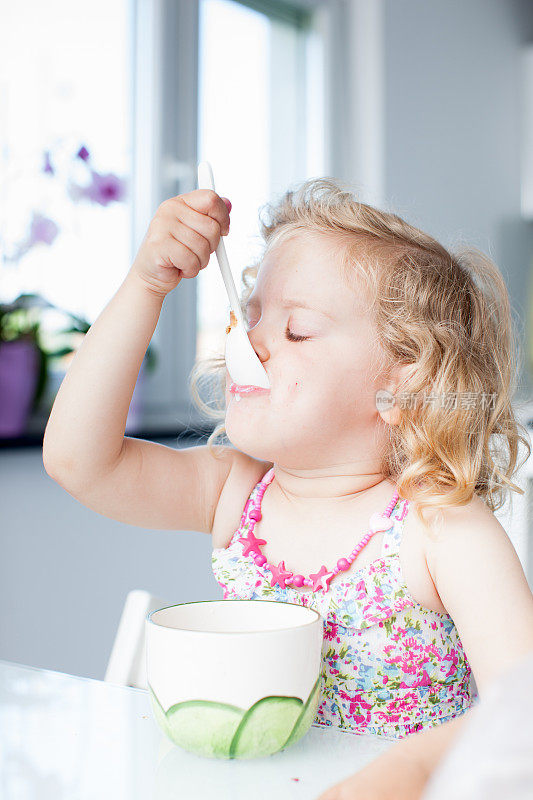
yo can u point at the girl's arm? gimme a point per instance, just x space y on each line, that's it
481 583
85 430
426 748
402 772
84 436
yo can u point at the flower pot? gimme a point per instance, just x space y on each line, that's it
19 363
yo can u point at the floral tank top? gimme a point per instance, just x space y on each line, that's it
390 666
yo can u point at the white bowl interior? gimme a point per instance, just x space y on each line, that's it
234 616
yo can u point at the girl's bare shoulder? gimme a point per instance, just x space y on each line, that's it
245 473
440 523
436 519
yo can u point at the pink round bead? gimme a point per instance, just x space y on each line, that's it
255 514
260 560
298 580
343 564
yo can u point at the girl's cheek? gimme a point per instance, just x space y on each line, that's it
291 391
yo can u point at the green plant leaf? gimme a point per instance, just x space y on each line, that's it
63 351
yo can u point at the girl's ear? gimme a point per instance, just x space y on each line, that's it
386 401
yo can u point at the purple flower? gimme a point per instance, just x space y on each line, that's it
83 153
105 189
47 163
43 229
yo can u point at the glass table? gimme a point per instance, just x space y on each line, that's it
72 738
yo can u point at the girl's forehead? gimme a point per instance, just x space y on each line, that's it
306 269
304 241
300 258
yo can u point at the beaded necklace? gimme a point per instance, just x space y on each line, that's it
319 581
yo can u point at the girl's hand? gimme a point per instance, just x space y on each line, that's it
390 776
180 239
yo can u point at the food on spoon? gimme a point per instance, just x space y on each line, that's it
232 321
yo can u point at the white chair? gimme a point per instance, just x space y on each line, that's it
127 662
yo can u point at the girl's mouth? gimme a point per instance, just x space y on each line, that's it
241 391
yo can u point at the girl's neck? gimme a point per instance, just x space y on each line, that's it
329 487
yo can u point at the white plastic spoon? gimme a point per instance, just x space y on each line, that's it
242 362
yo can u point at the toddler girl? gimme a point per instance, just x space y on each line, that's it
364 483
391 370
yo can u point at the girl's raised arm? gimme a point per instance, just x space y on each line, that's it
84 448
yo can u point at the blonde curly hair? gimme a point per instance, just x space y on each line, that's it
447 314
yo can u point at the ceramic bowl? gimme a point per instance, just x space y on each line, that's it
234 678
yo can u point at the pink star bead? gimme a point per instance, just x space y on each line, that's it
251 544
280 575
321 579
380 522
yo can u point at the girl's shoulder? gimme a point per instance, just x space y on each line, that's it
426 540
475 514
476 509
245 473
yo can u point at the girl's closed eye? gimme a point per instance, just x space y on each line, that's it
292 337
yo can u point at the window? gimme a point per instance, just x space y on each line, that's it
65 104
151 88
260 108
65 83
242 85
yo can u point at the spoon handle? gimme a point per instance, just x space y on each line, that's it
206 181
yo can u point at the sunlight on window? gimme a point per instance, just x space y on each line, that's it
260 127
68 85
233 131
